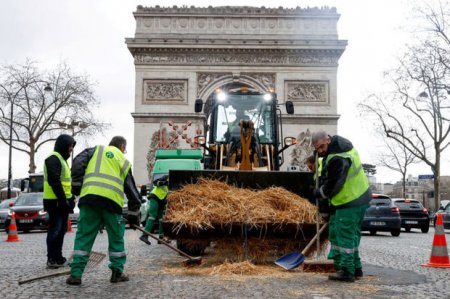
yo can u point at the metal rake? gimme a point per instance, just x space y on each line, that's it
95 258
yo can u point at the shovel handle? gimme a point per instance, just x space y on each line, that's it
314 238
163 242
44 276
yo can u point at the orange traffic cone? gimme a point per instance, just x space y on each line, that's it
439 254
69 225
12 233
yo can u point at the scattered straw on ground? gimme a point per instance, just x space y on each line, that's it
210 202
231 270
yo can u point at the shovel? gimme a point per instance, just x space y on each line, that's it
294 259
95 259
191 261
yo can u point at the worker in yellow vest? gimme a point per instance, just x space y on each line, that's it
102 176
58 198
344 185
157 206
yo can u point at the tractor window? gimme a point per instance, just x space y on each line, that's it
247 107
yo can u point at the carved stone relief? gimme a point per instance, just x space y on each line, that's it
267 80
205 80
223 19
307 91
230 57
167 91
302 150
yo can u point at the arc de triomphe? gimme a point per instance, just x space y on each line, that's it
183 53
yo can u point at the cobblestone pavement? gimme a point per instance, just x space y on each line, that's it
391 267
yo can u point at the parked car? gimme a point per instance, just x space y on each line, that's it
445 216
382 215
29 211
413 214
5 205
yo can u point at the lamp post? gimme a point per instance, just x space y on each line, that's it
71 126
10 147
47 88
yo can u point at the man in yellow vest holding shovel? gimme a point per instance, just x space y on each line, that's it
344 185
101 176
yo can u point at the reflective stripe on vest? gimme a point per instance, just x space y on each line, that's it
160 192
65 178
318 173
356 183
106 173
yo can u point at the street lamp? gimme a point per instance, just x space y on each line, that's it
47 88
71 126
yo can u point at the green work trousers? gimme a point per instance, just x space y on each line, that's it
93 218
345 236
156 210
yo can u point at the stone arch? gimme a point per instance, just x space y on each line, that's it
228 79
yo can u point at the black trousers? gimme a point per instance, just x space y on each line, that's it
57 229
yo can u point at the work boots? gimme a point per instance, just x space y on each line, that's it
342 275
74 280
117 276
58 263
145 239
358 273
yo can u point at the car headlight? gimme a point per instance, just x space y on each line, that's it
42 213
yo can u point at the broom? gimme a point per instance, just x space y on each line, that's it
95 258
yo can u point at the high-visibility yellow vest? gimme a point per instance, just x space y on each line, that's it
160 192
66 180
105 174
318 173
356 183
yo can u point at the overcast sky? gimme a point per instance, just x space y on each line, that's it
90 37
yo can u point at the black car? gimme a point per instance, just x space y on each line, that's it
29 212
413 214
382 215
445 216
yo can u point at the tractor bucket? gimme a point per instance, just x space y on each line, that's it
300 183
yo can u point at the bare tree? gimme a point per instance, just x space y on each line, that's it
416 113
397 158
40 117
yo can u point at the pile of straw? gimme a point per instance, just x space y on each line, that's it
211 202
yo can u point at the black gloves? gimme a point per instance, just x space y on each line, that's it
133 218
64 206
71 203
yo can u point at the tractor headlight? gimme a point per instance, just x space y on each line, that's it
221 96
267 97
200 140
288 141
